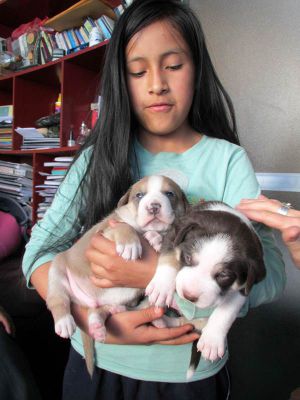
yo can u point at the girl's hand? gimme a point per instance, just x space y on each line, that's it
266 211
111 270
133 327
6 322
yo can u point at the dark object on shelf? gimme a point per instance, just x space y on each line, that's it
58 53
49 120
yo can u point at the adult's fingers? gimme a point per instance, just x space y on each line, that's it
184 339
6 324
167 334
291 234
100 243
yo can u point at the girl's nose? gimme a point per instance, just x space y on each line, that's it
158 83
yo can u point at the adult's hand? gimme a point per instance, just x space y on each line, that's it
265 210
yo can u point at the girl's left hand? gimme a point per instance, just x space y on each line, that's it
111 270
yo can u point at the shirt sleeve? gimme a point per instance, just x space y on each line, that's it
242 183
60 221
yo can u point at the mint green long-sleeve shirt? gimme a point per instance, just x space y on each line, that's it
212 169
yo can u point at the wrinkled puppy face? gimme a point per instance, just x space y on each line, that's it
218 252
157 200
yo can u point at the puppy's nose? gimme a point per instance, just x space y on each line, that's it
154 208
189 296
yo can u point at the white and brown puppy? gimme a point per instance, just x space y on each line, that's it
221 258
149 208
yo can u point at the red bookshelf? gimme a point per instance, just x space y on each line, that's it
33 91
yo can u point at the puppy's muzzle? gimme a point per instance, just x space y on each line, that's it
154 208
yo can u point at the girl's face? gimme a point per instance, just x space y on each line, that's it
160 78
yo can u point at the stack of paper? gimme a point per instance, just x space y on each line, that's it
51 182
16 181
33 139
6 121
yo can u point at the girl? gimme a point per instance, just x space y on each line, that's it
164 111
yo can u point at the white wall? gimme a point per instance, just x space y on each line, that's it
255 48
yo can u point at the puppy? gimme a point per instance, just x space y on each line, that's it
220 258
149 207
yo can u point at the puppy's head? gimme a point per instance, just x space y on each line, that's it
155 202
215 263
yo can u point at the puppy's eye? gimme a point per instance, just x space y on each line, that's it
140 195
170 194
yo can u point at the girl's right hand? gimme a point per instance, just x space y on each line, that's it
134 327
111 270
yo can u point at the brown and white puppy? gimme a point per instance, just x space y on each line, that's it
221 258
149 208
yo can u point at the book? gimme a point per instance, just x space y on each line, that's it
64 159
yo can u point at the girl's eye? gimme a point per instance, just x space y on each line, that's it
174 67
140 195
137 74
170 194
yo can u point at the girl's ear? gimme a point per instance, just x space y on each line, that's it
124 199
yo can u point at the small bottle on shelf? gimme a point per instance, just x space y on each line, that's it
83 133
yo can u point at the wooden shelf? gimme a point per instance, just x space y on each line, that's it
33 91
40 151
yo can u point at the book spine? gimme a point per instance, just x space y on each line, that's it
73 34
66 39
71 39
84 34
105 31
80 37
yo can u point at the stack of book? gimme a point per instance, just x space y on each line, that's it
33 139
51 182
6 121
16 182
73 39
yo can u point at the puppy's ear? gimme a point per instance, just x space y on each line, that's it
183 232
183 206
256 273
124 199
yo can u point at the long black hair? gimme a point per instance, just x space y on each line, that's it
109 175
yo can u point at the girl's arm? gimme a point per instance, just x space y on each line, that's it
130 327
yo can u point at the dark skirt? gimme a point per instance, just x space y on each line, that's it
106 385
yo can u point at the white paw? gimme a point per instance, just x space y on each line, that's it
161 288
129 251
97 328
154 238
211 344
65 327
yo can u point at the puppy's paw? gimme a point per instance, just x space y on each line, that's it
154 238
211 344
130 250
97 328
161 288
65 327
